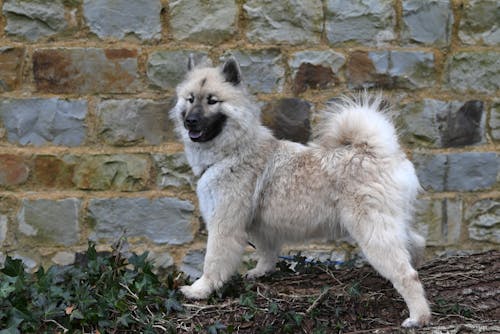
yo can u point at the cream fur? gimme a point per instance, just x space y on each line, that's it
353 177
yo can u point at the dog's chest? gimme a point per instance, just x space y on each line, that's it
208 191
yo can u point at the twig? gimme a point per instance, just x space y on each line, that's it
318 300
129 291
65 330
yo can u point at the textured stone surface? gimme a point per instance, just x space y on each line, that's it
495 120
161 260
480 22
192 264
485 76
64 258
11 60
32 19
262 70
117 18
439 220
131 122
124 172
53 172
203 21
166 69
315 69
86 70
13 170
438 123
173 170
468 171
3 229
162 220
363 21
483 218
427 22
391 69
40 121
294 22
288 119
55 221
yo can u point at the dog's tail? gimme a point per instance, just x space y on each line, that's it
360 121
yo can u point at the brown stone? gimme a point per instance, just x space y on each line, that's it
10 67
90 70
53 172
13 170
312 76
361 70
288 119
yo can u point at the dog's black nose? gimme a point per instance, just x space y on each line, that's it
193 119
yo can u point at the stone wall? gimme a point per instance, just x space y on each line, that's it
87 150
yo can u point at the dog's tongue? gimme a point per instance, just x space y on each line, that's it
195 134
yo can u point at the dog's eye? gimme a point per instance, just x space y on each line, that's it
212 100
191 98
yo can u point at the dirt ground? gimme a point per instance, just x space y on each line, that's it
464 292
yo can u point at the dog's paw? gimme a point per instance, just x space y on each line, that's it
198 290
256 273
412 323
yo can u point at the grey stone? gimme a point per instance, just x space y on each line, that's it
439 221
363 21
474 71
428 22
55 221
468 171
33 19
174 171
495 120
29 264
480 22
483 218
208 22
192 264
294 22
162 220
118 18
40 121
124 172
3 229
130 122
161 260
262 70
438 123
64 258
166 69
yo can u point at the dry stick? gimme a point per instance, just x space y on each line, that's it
318 300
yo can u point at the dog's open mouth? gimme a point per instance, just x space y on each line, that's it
194 135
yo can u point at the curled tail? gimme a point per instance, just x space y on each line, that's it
359 122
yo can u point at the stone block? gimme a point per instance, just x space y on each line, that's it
289 119
480 22
131 122
64 258
86 70
315 69
33 19
483 219
192 264
439 221
363 21
294 22
474 71
39 121
3 229
495 120
262 70
436 123
427 22
119 18
470 171
53 172
173 171
122 172
202 21
166 69
161 220
55 221
391 69
11 60
14 170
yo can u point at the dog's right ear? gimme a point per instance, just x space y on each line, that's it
231 71
191 63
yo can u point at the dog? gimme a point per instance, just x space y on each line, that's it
353 177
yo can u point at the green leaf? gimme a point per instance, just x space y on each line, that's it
13 267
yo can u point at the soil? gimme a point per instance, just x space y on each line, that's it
464 292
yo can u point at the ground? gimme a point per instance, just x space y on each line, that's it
464 292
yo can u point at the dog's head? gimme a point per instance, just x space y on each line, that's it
207 99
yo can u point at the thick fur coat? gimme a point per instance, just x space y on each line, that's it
353 177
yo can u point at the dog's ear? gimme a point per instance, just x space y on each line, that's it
231 71
191 62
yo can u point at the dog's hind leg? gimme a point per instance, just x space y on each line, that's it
267 253
416 247
382 240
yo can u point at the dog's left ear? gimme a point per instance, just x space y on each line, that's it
231 71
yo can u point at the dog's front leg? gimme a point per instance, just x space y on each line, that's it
224 252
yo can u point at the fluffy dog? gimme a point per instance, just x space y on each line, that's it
353 177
